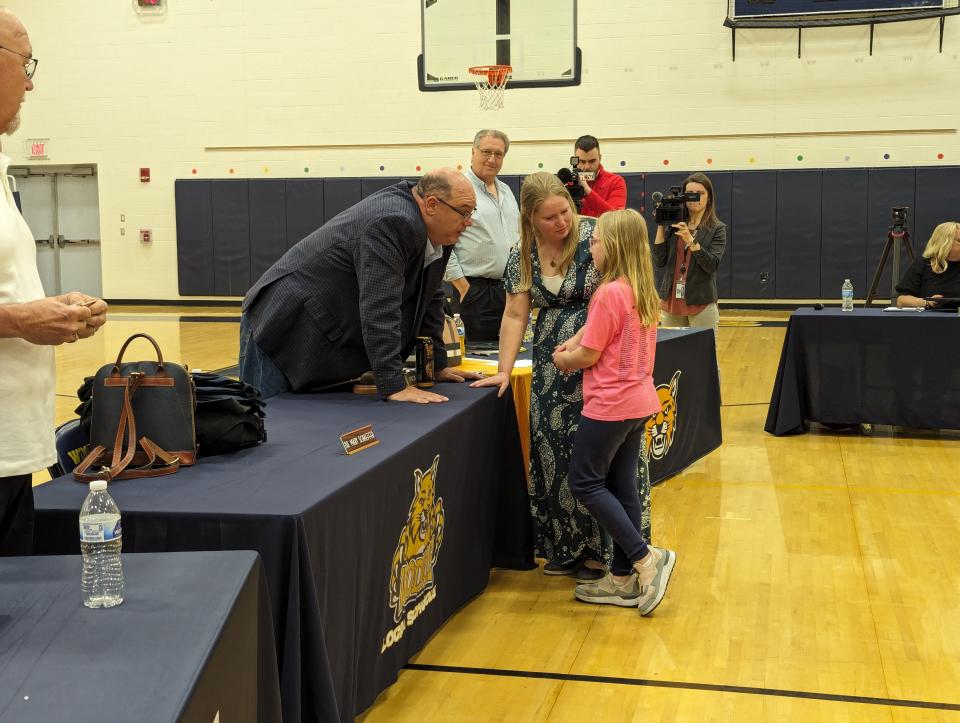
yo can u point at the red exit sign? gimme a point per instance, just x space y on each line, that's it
38 148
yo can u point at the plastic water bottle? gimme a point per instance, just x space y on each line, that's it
461 335
100 543
528 334
846 295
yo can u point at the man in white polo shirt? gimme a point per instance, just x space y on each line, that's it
30 323
475 268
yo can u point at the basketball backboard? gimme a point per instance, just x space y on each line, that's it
538 38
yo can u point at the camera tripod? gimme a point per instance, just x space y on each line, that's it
897 238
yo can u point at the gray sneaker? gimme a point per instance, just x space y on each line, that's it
609 592
659 577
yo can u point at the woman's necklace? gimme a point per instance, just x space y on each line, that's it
553 260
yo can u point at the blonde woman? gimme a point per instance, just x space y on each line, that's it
552 269
936 274
616 350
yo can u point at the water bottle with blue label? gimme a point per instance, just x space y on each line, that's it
846 295
100 543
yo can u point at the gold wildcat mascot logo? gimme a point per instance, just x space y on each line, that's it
411 575
662 426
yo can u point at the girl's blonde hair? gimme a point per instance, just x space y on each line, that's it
939 245
626 255
536 189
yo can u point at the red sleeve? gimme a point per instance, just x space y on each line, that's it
603 319
616 198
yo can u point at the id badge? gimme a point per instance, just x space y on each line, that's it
681 287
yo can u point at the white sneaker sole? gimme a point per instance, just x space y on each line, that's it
607 599
664 575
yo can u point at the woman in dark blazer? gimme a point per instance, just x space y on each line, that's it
691 254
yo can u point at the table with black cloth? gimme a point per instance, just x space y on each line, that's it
330 527
677 437
192 639
867 366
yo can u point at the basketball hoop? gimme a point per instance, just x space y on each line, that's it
491 81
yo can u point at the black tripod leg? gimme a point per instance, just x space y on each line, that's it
876 277
908 245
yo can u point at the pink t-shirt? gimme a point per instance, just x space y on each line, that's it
620 385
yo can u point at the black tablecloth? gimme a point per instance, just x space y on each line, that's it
328 526
192 639
867 366
685 372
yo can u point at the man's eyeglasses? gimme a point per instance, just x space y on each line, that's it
465 215
487 154
30 67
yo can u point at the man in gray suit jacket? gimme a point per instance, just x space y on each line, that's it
353 296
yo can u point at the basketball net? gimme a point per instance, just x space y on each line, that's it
491 81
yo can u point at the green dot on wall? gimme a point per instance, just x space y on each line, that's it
800 157
539 165
306 170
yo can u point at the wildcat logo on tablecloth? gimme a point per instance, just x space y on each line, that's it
662 426
412 581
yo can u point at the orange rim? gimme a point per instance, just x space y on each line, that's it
496 74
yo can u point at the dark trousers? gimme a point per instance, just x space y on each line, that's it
481 309
603 476
16 515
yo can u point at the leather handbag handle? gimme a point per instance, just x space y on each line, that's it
116 367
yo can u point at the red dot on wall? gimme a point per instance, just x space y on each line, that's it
709 161
939 156
194 171
418 168
666 162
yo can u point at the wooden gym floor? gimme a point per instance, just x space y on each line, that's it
818 576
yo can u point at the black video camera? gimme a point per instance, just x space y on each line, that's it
672 209
570 177
900 217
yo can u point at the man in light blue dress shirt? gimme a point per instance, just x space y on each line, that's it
475 268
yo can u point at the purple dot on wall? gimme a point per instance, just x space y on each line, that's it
666 161
886 156
939 156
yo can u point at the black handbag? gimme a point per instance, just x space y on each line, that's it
142 419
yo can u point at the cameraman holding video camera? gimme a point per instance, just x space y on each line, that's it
691 253
601 191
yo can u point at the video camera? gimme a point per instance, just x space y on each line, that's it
899 217
672 209
570 177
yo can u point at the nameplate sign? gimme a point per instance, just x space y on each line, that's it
359 439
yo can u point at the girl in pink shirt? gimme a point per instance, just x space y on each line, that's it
616 349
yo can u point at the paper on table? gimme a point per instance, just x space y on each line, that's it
905 308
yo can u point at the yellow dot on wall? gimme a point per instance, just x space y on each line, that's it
752 159
266 170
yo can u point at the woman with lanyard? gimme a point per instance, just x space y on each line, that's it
691 254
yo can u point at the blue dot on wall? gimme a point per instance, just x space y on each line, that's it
381 168
886 156
623 163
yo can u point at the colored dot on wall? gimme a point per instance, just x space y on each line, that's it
666 161
381 168
752 159
306 169
886 156
266 170
343 168
623 163
418 168
709 161
846 158
231 170
459 166
539 165
800 158
194 171
939 156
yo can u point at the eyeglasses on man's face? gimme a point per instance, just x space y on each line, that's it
30 67
465 215
486 153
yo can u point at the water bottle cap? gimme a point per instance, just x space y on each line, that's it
98 485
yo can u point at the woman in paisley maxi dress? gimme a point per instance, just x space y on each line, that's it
551 269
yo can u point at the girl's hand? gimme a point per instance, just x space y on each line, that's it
499 379
561 360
